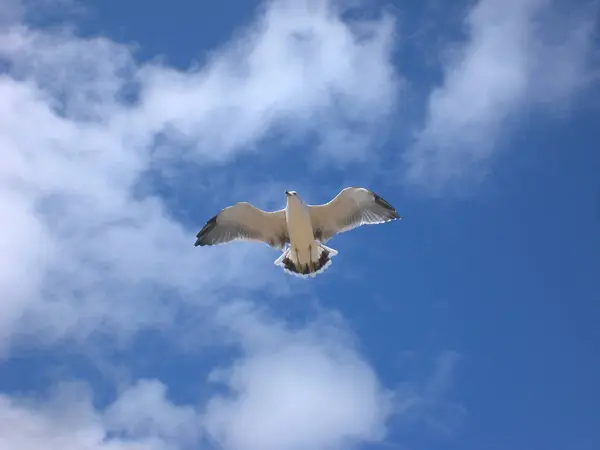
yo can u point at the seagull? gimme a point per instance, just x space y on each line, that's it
299 230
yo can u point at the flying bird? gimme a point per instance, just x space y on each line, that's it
299 230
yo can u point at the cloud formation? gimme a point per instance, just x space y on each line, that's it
295 389
87 252
141 418
517 54
82 123
311 377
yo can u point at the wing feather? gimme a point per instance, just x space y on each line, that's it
351 208
244 221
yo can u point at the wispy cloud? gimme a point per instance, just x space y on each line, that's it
424 403
518 54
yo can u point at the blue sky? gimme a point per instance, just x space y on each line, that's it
470 324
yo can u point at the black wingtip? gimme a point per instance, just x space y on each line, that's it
201 236
199 242
383 202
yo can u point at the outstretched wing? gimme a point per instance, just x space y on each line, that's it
243 221
351 208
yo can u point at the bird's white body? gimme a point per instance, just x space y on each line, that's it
304 251
299 224
300 230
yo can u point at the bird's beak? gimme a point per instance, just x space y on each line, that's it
287 193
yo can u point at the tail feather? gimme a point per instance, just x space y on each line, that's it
320 259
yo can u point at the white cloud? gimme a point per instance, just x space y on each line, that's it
68 421
84 250
298 397
518 54
300 67
144 410
295 389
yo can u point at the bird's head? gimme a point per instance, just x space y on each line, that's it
292 196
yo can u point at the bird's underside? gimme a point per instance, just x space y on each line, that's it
299 230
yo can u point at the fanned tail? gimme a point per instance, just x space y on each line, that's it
320 259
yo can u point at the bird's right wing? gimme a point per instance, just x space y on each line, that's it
243 221
351 208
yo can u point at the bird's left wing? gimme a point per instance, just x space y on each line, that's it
351 208
244 221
